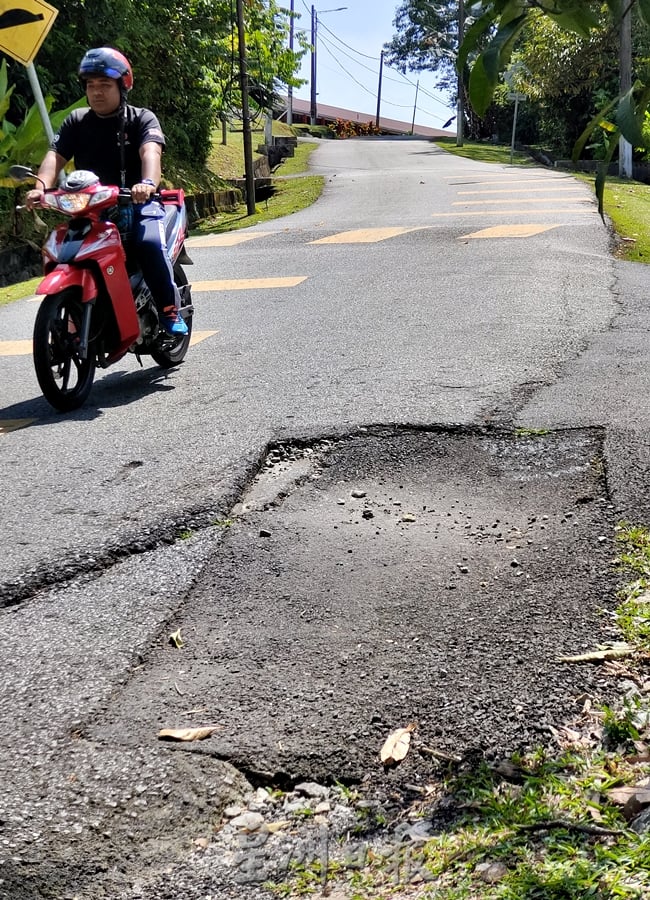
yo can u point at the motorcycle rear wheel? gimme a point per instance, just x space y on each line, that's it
63 375
167 356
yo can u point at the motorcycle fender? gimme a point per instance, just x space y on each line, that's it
66 277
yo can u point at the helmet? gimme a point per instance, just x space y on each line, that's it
109 63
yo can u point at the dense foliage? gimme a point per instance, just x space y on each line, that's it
563 55
184 56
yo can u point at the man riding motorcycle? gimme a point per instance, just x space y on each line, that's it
122 145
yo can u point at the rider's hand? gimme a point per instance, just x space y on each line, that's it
141 192
33 198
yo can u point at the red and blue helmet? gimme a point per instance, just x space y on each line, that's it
108 63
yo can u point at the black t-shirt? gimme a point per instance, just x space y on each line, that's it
94 142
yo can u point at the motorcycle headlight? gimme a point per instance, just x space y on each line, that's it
100 197
73 203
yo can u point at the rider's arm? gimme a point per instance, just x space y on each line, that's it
48 174
150 154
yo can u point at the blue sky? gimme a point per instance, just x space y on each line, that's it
348 76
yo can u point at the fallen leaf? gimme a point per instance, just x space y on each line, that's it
186 734
614 652
397 745
276 826
176 640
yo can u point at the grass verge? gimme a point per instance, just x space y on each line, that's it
566 822
290 195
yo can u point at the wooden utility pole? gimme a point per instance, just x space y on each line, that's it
246 118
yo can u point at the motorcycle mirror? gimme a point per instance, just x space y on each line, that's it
21 173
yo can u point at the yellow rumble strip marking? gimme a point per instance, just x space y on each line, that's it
15 348
552 190
565 210
198 336
363 236
7 425
501 231
224 240
246 284
493 201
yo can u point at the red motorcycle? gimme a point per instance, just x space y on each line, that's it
96 306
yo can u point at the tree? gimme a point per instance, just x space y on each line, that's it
501 25
183 55
427 38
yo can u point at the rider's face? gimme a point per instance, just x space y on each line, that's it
103 95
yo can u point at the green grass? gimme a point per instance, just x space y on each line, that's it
18 291
484 152
289 196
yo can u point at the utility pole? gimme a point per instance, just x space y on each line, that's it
625 83
415 105
313 110
460 106
381 69
290 88
246 119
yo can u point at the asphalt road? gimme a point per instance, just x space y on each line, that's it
422 294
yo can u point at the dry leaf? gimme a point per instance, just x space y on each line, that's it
186 734
397 745
276 826
176 640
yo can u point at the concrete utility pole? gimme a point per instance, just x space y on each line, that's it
460 106
290 88
415 105
246 119
313 108
625 83
381 69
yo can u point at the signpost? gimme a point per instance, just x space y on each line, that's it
24 25
518 98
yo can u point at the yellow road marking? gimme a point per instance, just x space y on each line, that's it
518 200
15 348
511 212
245 284
499 231
198 336
363 236
24 348
515 180
561 189
7 425
224 240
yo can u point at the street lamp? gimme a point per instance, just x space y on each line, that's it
313 110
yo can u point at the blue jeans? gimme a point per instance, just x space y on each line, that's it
148 246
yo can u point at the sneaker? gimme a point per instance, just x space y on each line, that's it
172 322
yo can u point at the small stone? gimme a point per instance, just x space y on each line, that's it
341 501
368 514
249 821
322 807
357 493
311 789
492 873
408 517
264 532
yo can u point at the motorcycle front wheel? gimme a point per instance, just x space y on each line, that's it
63 375
165 355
